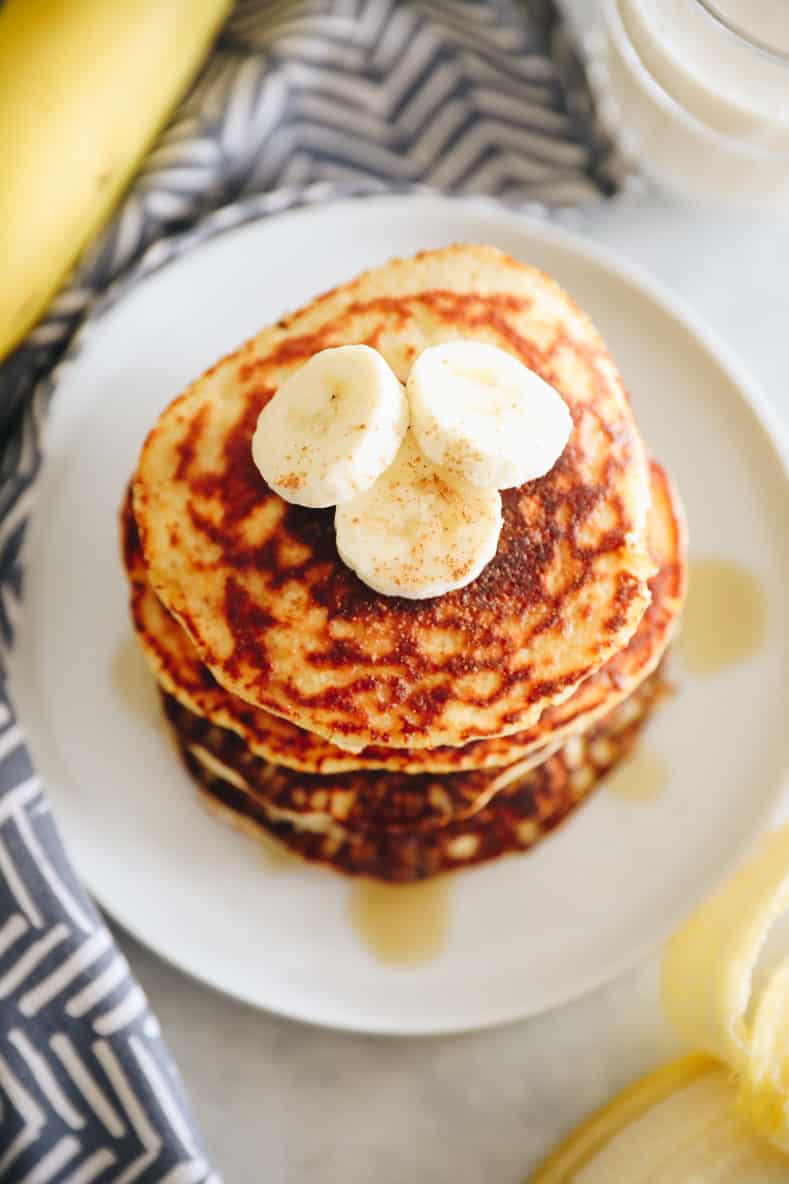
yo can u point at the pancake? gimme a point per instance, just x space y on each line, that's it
514 820
282 623
355 800
179 671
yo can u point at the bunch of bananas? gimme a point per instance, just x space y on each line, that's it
85 85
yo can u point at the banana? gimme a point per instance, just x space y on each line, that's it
85 85
332 427
722 994
418 531
721 1115
678 1125
480 413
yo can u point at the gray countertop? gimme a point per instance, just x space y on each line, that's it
284 1103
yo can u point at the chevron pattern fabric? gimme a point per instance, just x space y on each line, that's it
88 1091
302 99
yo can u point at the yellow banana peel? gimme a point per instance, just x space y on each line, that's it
85 85
709 991
721 1115
678 1125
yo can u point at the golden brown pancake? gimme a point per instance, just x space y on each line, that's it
360 799
514 820
179 671
282 623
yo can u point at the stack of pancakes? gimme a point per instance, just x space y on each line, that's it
386 737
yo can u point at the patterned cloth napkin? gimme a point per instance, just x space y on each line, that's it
473 96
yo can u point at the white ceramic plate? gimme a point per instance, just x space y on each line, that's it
525 933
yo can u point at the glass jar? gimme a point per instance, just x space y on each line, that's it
702 89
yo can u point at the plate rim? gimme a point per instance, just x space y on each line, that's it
301 201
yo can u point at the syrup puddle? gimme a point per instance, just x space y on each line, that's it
725 617
641 777
276 857
402 924
133 682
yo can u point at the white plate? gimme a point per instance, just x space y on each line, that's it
526 933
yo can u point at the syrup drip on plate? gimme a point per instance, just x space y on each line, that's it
402 924
725 617
132 682
276 857
641 777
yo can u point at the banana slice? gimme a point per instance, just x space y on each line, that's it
418 531
332 427
480 413
678 1125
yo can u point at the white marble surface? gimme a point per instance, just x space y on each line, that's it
287 1104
